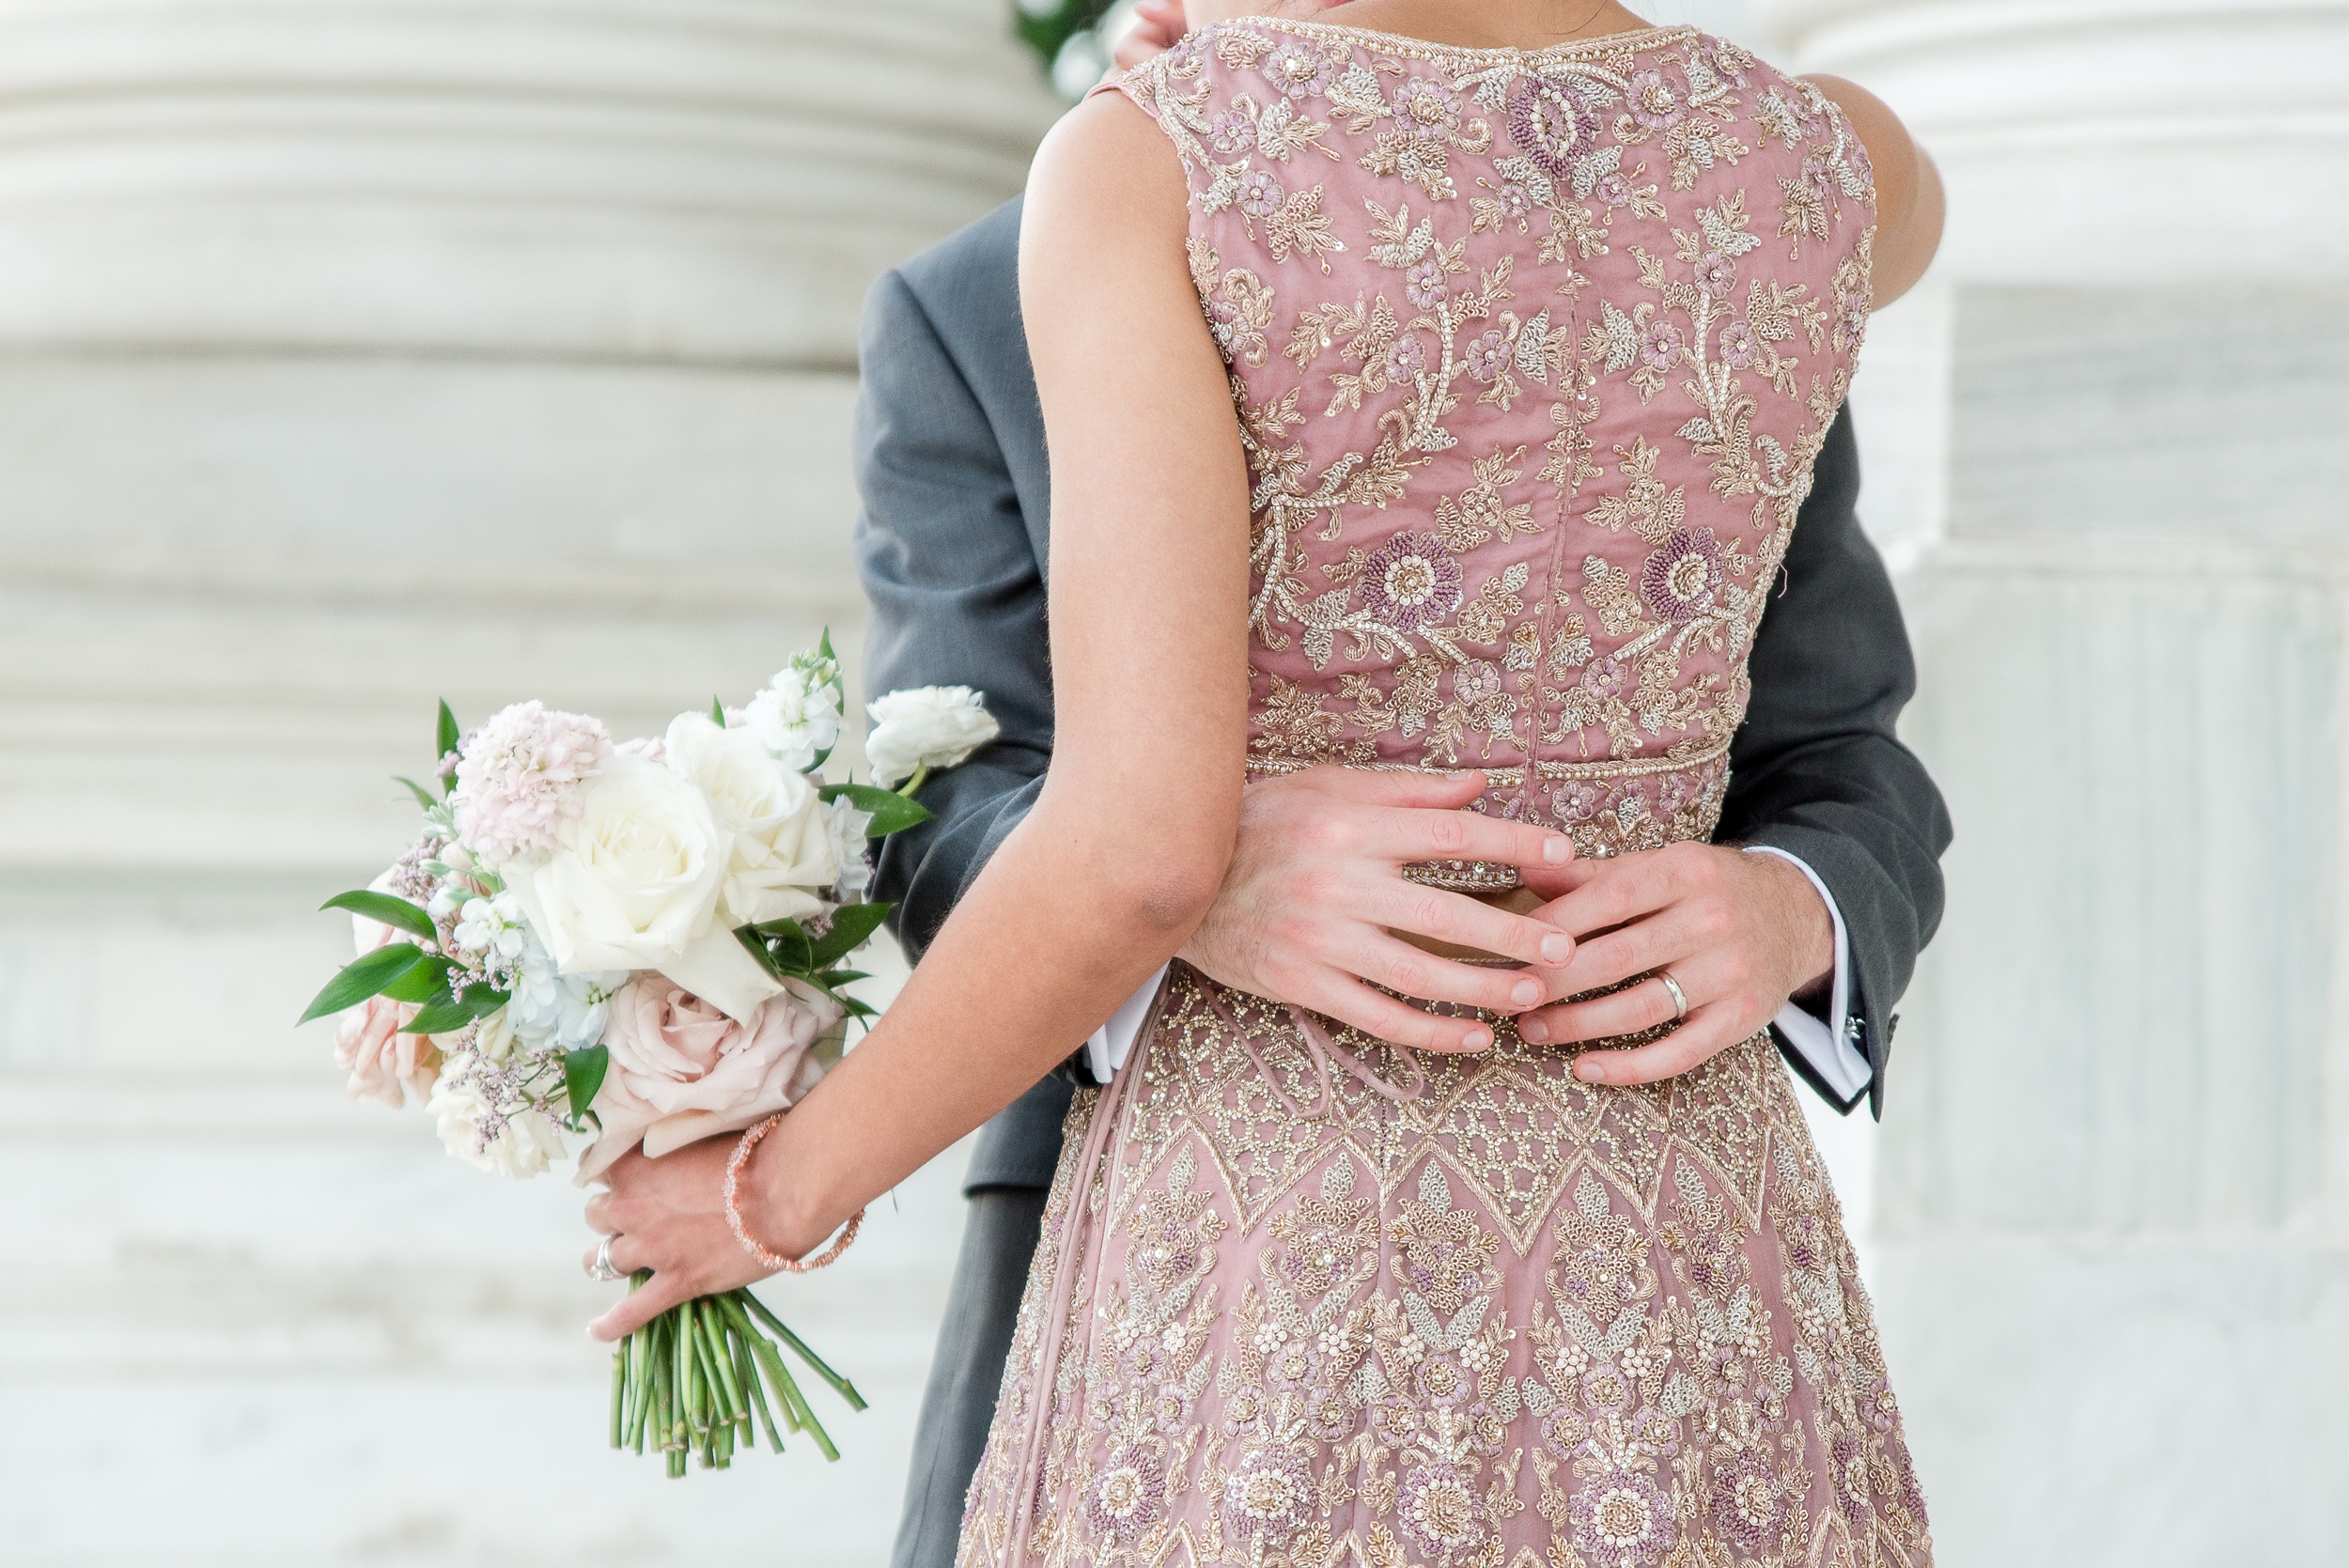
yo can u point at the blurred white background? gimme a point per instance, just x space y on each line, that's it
326 325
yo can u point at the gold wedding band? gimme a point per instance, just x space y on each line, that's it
1680 997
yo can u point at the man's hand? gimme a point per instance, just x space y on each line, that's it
1740 933
1315 891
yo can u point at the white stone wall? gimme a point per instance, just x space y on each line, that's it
2108 1237
354 353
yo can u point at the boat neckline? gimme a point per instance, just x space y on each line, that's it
1602 42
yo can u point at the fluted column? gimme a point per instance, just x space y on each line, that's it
2111 1234
354 353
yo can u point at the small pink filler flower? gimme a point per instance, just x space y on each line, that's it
518 777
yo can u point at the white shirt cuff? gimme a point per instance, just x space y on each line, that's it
1828 1045
1114 1040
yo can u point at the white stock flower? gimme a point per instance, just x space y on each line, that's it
781 851
491 925
517 1145
849 846
550 1009
925 727
796 718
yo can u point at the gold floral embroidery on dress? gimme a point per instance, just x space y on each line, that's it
1558 309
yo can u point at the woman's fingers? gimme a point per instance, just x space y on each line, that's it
1397 965
1409 835
1708 1032
664 1291
1465 921
1340 996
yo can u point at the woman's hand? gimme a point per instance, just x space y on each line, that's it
670 1216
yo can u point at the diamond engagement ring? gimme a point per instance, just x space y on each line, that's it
601 1270
1680 997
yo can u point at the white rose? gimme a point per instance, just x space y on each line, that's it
634 878
634 883
926 726
781 841
796 718
522 1144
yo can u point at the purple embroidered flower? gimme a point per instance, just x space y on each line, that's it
1847 1463
1129 1494
1605 1391
1267 1496
1260 195
1663 346
1477 680
1715 273
1230 132
1298 70
1411 582
1487 356
1654 102
1621 1520
1427 107
1404 359
1578 802
1738 348
1551 125
1423 284
1675 792
1514 201
1606 680
1614 190
1851 321
1745 1508
1439 1505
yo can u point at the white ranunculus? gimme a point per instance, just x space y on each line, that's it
782 853
796 718
634 878
520 1145
925 727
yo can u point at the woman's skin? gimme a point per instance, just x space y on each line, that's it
1132 834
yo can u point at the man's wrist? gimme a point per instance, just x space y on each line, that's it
1814 949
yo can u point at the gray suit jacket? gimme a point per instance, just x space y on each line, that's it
951 544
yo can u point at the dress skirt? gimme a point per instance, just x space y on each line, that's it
1306 1299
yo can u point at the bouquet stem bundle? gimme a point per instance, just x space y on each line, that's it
695 1381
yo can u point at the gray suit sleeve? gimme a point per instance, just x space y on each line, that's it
1818 770
956 595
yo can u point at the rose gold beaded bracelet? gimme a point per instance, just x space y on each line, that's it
775 1260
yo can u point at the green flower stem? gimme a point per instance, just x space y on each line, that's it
840 1384
788 1388
620 1394
914 782
707 1318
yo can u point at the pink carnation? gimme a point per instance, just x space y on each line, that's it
519 775
680 1070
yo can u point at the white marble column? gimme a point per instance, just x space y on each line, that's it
2111 1232
353 353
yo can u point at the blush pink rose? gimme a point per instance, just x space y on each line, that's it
384 1064
681 1070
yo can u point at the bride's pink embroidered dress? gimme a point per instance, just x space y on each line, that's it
1533 353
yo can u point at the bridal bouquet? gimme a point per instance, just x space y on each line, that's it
598 946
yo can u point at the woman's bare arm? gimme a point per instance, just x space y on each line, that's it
1909 202
1129 840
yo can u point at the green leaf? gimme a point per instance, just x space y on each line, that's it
445 1014
424 796
446 740
852 925
792 953
362 978
824 646
582 1075
424 979
717 713
892 812
385 909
